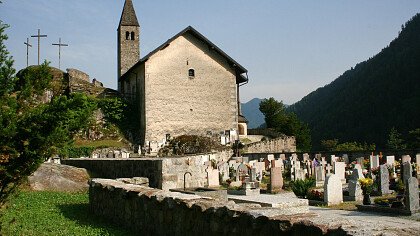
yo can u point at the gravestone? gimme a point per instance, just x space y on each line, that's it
319 173
260 166
339 170
270 157
346 158
383 180
418 165
328 168
355 191
360 160
390 160
241 172
411 199
407 171
212 177
305 157
282 157
309 168
279 163
406 158
333 190
299 174
357 173
374 162
267 164
276 180
253 174
224 169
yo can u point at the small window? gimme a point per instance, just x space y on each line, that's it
191 73
127 35
132 35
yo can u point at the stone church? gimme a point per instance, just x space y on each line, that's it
187 85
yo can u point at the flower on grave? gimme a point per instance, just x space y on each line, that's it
364 172
397 164
366 185
375 170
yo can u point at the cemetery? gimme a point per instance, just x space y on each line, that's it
290 186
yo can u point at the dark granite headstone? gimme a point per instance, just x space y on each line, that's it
412 195
407 171
383 180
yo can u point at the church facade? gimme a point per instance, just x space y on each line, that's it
185 86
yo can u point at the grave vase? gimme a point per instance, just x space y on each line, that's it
366 197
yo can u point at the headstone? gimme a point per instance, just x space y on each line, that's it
267 164
355 191
279 163
346 158
390 160
383 180
374 162
357 173
333 190
328 168
407 171
260 166
276 179
245 159
224 169
305 157
319 173
282 157
270 157
309 168
241 172
299 174
406 158
212 177
339 170
253 174
412 195
360 160
418 165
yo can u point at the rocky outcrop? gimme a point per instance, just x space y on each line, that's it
56 177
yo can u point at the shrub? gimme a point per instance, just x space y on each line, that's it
301 187
193 144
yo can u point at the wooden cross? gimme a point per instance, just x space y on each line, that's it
39 36
27 51
59 44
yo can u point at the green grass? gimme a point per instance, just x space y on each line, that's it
53 213
99 143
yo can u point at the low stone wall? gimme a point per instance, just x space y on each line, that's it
278 145
148 211
163 173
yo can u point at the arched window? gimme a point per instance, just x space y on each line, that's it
191 73
127 35
132 35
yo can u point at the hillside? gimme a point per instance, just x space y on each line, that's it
368 100
251 110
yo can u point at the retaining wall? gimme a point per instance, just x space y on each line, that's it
148 211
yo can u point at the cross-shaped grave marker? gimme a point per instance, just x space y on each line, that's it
39 36
27 51
59 44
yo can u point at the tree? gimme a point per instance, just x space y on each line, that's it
395 142
329 144
286 123
32 131
414 139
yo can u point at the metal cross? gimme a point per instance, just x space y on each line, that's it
59 44
27 51
39 36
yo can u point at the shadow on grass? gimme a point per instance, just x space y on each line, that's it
81 214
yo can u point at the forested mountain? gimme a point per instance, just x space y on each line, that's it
367 101
251 110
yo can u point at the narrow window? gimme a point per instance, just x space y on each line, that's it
191 73
127 35
132 35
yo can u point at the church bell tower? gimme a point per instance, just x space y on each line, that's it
128 40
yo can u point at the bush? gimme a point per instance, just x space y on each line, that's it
301 187
314 194
193 144
76 152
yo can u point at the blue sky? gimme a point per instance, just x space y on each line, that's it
290 48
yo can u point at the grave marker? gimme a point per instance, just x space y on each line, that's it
333 190
412 195
212 177
407 171
383 180
276 179
355 191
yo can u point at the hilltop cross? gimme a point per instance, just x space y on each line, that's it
39 36
59 44
27 51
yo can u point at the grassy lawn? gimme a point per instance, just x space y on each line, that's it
53 213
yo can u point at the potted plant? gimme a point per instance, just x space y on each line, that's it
366 185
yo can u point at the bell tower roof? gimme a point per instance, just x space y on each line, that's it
128 17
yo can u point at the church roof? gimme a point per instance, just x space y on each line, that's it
128 16
239 69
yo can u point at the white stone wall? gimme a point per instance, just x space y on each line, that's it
177 104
